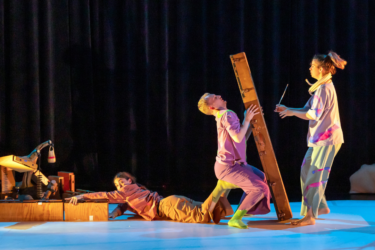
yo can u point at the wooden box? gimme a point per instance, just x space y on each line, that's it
7 180
93 210
11 211
69 181
34 210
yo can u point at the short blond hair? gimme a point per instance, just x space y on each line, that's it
203 105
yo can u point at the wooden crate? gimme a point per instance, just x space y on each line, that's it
11 212
7 180
69 180
31 211
94 210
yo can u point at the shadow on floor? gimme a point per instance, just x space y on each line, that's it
26 225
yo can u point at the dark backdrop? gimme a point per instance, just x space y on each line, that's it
115 84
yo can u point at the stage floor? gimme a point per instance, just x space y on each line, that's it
351 225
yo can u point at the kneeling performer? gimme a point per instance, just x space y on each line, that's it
151 206
231 167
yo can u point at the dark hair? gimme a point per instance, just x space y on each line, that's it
330 62
127 176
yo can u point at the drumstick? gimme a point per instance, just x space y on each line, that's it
284 93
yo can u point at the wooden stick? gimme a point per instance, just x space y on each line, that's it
284 93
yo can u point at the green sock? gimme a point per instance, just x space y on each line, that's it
236 220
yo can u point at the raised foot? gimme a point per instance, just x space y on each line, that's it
324 211
303 222
237 223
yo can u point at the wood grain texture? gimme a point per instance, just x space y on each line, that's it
7 180
44 212
11 212
82 211
31 211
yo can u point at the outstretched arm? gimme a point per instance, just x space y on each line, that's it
301 113
313 110
118 211
112 197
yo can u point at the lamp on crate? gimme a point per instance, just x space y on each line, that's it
29 166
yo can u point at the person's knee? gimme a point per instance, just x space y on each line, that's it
260 174
266 190
257 172
259 187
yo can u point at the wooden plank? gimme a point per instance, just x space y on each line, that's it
262 139
43 211
11 212
31 211
18 164
7 180
42 176
86 211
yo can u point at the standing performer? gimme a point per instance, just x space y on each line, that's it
231 167
151 206
324 137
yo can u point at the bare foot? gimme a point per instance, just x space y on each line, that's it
304 222
324 211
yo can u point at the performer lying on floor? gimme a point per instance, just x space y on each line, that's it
151 206
231 167
324 138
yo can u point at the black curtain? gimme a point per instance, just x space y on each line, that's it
115 84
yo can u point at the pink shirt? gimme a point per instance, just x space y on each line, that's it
325 129
229 151
134 198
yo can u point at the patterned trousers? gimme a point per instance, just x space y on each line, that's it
256 197
315 171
